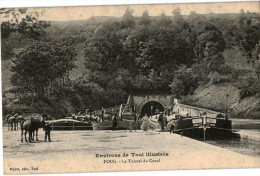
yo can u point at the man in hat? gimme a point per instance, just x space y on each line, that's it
47 129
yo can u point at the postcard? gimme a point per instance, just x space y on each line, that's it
130 87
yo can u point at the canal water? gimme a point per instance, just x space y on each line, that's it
246 146
249 141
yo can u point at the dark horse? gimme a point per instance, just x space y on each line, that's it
38 123
30 126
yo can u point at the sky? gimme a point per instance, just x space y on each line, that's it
81 13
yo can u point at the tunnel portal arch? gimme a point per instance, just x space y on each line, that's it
142 102
151 108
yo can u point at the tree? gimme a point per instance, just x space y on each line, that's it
256 53
164 21
177 87
7 50
103 48
164 46
209 48
185 81
22 22
177 16
214 58
257 69
196 20
145 19
41 65
249 25
128 20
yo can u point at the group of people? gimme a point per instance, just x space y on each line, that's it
162 120
132 125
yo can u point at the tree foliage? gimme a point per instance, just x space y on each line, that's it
17 20
41 65
165 54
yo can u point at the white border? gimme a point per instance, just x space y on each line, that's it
55 3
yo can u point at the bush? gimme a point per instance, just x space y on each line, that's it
185 81
215 78
177 87
252 88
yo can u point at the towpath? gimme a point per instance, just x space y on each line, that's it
85 151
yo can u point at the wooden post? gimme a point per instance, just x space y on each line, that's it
204 126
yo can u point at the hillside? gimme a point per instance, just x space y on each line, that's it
226 96
208 96
204 60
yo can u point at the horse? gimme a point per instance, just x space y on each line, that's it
7 117
26 126
13 122
31 126
19 120
38 123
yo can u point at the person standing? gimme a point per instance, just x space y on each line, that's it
114 121
102 114
47 129
145 124
135 119
164 121
160 121
172 126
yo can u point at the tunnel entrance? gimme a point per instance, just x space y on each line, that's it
151 108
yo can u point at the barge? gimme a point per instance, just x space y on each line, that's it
202 127
125 119
70 124
121 125
196 126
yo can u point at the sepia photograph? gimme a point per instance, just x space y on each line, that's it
145 87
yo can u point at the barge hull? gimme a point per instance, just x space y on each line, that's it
216 133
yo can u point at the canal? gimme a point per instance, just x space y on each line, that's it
249 141
244 145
